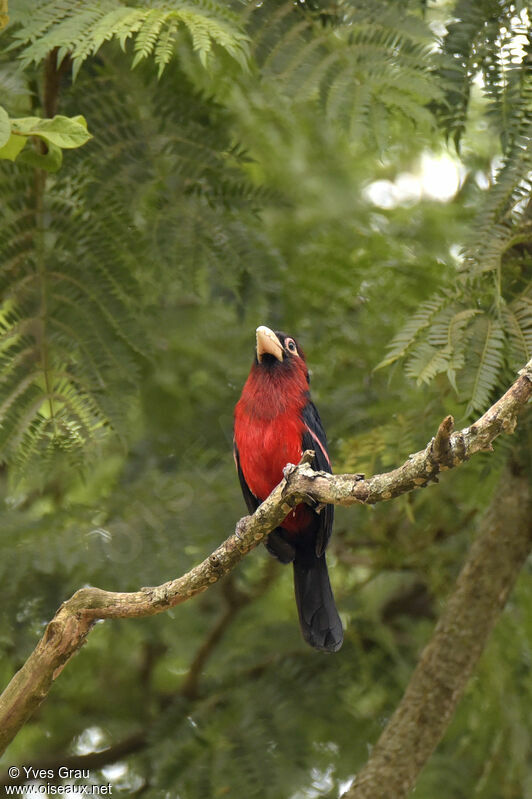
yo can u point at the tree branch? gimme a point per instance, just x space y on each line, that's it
190 689
443 452
68 630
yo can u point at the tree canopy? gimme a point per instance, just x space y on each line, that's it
172 175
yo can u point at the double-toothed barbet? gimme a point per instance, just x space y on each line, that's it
275 422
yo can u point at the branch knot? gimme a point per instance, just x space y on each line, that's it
441 443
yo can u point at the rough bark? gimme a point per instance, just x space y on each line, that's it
445 451
235 600
67 631
448 660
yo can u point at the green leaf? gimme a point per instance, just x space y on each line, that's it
13 147
426 362
50 161
5 127
487 351
64 132
83 28
406 337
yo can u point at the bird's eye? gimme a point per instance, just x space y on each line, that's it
291 345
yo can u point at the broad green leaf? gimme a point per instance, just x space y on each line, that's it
64 132
51 161
5 127
13 147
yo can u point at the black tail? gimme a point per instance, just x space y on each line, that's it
318 617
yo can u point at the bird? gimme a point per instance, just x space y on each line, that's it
275 421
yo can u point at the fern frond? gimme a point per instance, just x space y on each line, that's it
81 27
426 362
486 348
484 40
67 327
518 322
448 335
164 47
491 328
147 35
101 254
371 57
502 219
406 337
462 57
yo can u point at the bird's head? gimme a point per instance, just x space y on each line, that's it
279 376
278 351
279 362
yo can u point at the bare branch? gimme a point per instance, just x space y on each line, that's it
68 630
441 447
442 453
235 601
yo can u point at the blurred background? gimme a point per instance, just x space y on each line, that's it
355 174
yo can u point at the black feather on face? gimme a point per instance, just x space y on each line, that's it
275 348
290 345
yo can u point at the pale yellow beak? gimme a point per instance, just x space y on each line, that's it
267 342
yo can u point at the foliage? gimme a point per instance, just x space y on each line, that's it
369 67
59 132
207 202
76 307
80 28
481 330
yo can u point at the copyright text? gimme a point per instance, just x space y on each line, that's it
29 781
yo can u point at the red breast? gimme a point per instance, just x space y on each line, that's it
269 431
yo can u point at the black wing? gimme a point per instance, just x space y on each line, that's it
314 438
251 500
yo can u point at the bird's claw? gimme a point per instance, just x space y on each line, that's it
288 469
241 527
309 500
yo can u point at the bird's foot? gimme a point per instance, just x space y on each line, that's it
241 527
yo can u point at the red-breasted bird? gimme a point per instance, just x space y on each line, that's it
275 421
